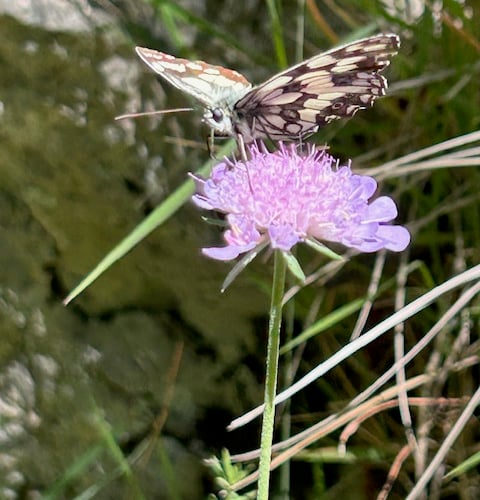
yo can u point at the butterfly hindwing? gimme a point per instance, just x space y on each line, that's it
329 86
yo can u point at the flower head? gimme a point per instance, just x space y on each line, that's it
286 197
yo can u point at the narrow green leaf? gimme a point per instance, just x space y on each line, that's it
294 266
241 265
464 467
179 13
162 213
177 36
320 248
77 469
277 34
326 322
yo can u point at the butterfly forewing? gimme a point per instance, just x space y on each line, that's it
207 83
329 86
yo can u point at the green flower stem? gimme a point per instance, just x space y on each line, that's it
278 287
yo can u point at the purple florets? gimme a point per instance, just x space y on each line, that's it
286 197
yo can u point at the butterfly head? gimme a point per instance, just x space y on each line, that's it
227 122
220 120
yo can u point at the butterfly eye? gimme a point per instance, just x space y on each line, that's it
217 115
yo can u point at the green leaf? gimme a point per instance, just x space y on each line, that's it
321 248
323 324
294 266
162 213
464 467
241 265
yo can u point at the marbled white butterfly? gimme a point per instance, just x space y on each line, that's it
291 104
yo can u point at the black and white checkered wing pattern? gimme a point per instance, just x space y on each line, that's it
329 86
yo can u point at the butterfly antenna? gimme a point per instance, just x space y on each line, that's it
151 113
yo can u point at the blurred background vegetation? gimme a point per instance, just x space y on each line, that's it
124 392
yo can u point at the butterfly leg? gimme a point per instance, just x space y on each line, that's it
211 145
241 147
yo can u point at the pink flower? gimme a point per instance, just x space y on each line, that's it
286 197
